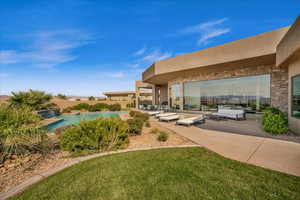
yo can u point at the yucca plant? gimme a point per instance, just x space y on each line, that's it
20 132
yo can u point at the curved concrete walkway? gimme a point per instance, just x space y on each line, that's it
269 153
39 177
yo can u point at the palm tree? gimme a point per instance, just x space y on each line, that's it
35 99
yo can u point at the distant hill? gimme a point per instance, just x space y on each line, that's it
4 98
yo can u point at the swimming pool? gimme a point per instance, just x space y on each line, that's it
75 119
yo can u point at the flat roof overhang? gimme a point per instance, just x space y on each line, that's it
119 93
289 46
253 51
164 78
125 93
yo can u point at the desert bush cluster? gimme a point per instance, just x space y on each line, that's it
97 135
93 108
275 121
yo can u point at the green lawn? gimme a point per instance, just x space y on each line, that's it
177 173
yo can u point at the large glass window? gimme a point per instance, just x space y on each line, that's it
175 94
296 96
251 93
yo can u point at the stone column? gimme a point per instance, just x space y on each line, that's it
137 97
279 88
181 95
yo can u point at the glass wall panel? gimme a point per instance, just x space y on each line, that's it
251 93
175 94
296 96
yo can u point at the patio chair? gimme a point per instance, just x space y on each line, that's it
151 113
190 121
169 118
164 115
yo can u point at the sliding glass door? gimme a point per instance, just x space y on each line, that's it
251 93
296 96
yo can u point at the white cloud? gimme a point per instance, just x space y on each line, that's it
199 28
133 64
3 75
156 55
206 30
48 49
118 75
140 52
8 57
204 38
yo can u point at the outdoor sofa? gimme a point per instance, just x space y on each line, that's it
230 113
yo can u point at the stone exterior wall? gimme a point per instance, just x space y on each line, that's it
279 80
279 88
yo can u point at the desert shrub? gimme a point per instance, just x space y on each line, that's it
135 126
20 132
91 98
81 106
275 121
130 105
52 106
59 131
97 107
34 99
163 136
67 110
132 113
154 130
139 115
61 96
147 124
114 107
95 135
78 99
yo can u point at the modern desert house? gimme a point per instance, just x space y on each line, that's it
251 73
130 96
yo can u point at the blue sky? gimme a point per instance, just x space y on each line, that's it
86 47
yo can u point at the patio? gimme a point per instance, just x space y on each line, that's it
252 126
277 154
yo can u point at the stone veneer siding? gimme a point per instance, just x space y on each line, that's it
279 80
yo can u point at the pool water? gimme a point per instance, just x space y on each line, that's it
75 119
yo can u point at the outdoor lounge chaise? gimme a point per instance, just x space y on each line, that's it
154 113
164 115
191 120
231 114
169 118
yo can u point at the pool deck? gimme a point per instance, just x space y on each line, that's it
73 112
48 121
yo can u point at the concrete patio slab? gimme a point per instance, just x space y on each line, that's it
280 155
274 154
